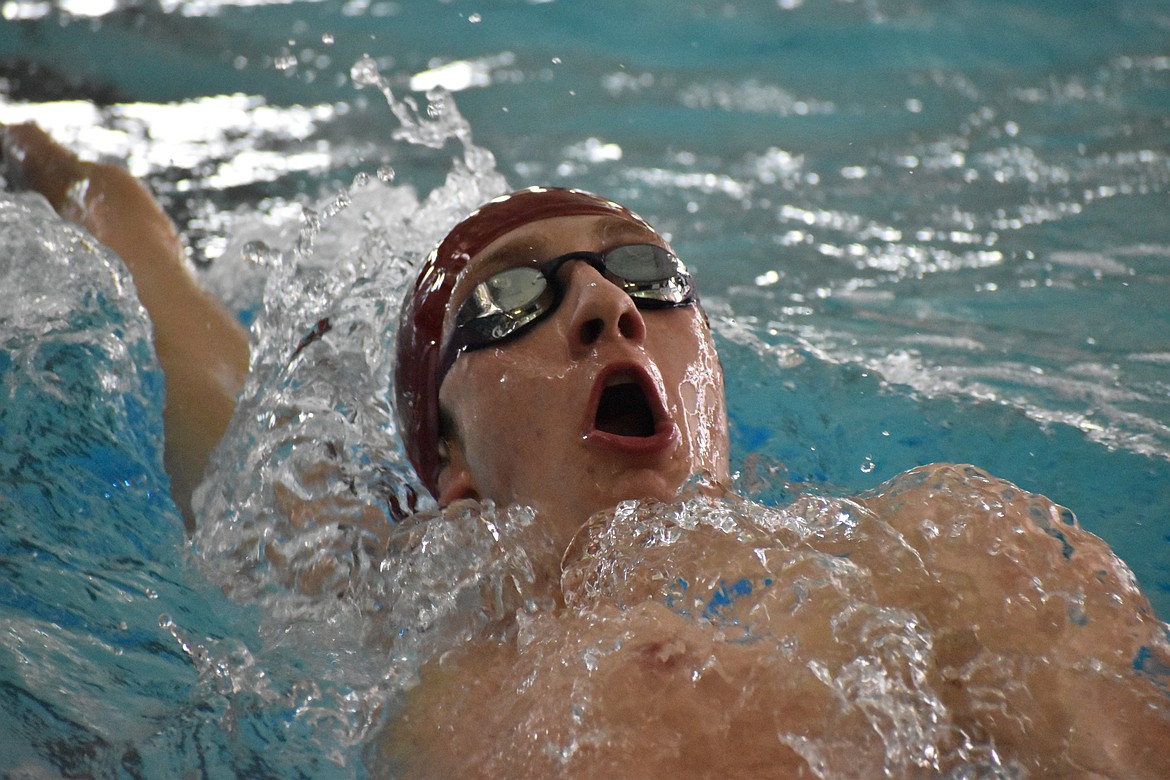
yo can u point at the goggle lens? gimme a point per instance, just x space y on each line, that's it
505 304
511 290
643 263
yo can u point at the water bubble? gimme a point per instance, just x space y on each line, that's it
386 174
286 61
310 227
365 72
260 254
340 201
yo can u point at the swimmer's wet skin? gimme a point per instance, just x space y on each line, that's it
934 625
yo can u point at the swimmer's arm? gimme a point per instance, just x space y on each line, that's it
202 348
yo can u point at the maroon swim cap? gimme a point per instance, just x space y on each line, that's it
420 326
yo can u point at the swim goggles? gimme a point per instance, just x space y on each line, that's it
508 303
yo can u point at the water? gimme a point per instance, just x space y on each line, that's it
923 233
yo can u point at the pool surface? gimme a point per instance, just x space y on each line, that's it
924 232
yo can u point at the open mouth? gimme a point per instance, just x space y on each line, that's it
624 409
629 415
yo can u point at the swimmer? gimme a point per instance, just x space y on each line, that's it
1037 658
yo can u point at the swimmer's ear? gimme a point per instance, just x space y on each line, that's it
455 480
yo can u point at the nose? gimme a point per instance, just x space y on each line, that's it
597 309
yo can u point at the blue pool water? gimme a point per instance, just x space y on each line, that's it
924 232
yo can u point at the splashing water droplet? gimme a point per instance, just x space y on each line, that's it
260 254
441 122
867 465
340 201
365 73
286 61
310 227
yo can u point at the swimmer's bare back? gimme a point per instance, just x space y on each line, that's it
202 348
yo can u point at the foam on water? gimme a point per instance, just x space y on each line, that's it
62 353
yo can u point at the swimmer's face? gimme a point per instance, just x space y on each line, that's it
599 402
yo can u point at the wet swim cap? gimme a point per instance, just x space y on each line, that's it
420 326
